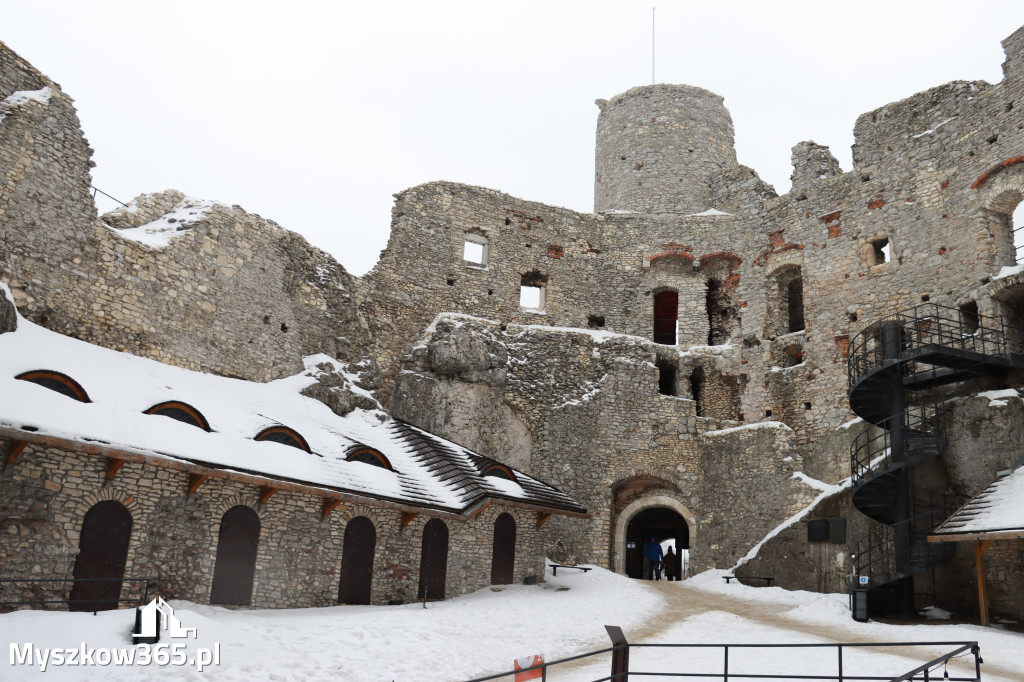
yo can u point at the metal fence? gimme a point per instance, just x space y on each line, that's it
42 593
844 670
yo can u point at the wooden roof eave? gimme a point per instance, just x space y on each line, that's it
174 463
1011 534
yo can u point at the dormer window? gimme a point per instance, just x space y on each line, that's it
181 412
55 381
285 436
371 457
500 471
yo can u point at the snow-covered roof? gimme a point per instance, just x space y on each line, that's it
428 471
994 513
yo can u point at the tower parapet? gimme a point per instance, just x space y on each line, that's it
658 148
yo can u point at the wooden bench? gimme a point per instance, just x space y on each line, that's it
554 568
730 578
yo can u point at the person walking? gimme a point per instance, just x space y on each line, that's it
653 557
671 565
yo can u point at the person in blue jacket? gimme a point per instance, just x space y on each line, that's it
653 556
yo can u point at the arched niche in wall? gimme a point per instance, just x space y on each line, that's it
102 555
503 550
356 581
235 568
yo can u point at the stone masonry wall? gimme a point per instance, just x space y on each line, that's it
231 293
45 495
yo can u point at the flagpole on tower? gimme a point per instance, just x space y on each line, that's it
652 46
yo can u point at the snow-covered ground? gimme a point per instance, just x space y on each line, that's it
484 632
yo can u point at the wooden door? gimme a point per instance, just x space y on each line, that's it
102 553
357 562
236 557
433 560
503 552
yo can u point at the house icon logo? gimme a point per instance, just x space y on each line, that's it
155 616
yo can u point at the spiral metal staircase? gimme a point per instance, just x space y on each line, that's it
891 365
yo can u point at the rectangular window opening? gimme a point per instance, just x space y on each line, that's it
531 298
474 249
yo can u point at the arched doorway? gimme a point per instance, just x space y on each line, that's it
503 551
357 562
661 523
102 554
236 557
433 560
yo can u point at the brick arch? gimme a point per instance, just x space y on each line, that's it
999 201
637 506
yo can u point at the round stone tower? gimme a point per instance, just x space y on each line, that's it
658 148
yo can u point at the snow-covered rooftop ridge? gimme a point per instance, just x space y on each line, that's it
159 233
20 97
121 387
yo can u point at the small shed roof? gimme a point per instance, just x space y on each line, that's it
996 513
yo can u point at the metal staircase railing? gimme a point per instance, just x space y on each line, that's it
912 350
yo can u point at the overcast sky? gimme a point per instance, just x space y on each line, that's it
314 113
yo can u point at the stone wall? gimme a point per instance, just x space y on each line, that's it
229 292
44 497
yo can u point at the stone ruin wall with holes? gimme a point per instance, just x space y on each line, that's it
574 407
232 294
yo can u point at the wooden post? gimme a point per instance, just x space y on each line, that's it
14 448
979 563
194 481
113 466
407 518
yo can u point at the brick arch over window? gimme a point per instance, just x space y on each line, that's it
1000 201
637 506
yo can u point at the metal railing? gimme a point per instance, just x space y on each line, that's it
96 190
96 602
926 325
871 453
845 669
875 555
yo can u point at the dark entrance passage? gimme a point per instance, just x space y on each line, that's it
503 552
659 522
666 310
357 562
433 560
102 553
236 557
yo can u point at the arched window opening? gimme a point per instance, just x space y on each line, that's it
1017 227
667 376
795 303
503 550
181 412
433 560
57 382
102 556
666 314
235 567
370 456
283 435
500 471
357 562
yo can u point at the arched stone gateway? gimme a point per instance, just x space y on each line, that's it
659 515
